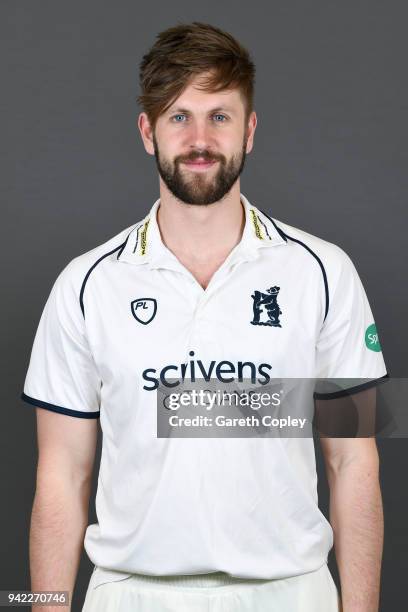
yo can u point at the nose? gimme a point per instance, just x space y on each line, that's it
200 136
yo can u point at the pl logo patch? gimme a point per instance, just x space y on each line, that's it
144 309
266 307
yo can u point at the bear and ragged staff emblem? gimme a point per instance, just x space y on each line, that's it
266 303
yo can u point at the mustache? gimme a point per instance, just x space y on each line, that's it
205 155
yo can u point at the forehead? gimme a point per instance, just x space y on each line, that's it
195 97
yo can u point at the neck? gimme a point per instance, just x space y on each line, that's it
201 233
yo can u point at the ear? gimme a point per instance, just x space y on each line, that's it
146 132
250 131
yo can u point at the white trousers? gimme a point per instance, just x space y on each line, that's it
115 592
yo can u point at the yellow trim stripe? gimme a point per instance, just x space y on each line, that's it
257 228
143 241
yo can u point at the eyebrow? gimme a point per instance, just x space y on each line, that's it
226 109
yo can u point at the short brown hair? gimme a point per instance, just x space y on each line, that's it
184 51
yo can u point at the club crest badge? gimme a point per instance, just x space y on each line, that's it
144 310
266 307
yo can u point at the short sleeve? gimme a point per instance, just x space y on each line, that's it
348 345
62 375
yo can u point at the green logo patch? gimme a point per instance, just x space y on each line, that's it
371 338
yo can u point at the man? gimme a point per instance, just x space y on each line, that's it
205 282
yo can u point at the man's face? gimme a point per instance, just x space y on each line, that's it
200 144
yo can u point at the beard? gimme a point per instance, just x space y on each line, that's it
197 188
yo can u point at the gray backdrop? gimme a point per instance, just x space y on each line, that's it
330 157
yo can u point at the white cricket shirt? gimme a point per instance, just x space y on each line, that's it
128 314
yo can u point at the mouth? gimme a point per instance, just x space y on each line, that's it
200 164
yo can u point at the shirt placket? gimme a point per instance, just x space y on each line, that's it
204 335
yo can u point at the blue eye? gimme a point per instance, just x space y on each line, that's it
179 115
219 115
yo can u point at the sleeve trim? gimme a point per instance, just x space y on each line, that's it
120 249
317 258
352 390
322 268
60 409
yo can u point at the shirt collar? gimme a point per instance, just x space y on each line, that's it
260 229
144 243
